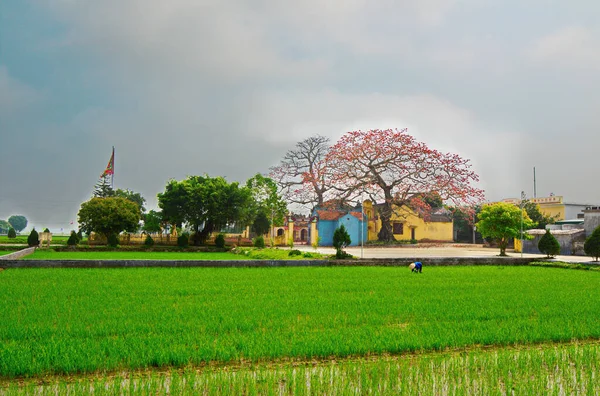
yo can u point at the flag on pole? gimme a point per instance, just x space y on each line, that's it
110 168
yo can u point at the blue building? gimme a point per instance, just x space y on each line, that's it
328 220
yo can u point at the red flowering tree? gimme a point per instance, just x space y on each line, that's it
395 171
303 175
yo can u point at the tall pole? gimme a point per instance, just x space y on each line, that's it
521 206
112 176
534 186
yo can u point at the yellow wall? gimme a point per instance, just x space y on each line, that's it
553 210
435 231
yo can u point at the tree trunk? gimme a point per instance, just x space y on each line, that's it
205 233
503 243
386 234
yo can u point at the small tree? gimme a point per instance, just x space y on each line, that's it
33 239
12 233
261 224
18 222
73 239
502 222
220 241
183 240
341 239
592 244
259 242
549 245
113 240
149 242
46 230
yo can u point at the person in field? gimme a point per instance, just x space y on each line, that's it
417 266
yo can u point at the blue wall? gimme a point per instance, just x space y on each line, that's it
326 229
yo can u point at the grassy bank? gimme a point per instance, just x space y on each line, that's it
84 320
243 254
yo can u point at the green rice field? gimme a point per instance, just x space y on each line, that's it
545 369
78 321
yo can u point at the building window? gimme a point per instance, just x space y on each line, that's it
398 228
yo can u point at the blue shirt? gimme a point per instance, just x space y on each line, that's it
418 265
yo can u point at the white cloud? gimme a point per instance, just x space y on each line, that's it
569 47
288 117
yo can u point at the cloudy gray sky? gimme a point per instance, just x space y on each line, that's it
186 87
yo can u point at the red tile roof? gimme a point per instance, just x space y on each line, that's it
330 214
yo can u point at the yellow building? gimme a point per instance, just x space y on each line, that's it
407 225
555 206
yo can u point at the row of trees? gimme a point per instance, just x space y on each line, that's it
202 203
389 167
15 222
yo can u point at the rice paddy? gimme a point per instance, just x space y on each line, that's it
82 321
546 369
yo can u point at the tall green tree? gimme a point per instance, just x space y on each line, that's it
18 222
540 219
261 224
133 197
502 222
109 216
204 203
266 199
152 221
103 189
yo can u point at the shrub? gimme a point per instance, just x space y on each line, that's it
33 239
220 241
307 255
12 233
148 242
113 240
259 242
549 245
80 235
295 252
183 240
413 241
341 239
73 239
592 244
47 230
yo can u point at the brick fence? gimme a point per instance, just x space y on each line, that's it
399 262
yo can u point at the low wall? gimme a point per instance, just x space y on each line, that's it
442 261
17 255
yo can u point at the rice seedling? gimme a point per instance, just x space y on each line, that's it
71 321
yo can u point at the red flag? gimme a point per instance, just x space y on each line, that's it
110 168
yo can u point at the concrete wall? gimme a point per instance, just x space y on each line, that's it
591 220
566 241
399 262
17 255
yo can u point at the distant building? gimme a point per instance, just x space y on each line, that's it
364 223
556 207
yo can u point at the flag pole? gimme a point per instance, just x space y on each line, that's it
112 176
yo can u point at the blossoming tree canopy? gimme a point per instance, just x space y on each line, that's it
396 170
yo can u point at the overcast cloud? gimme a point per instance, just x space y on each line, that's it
186 87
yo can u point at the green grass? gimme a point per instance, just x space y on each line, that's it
3 252
50 254
83 320
550 370
244 254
